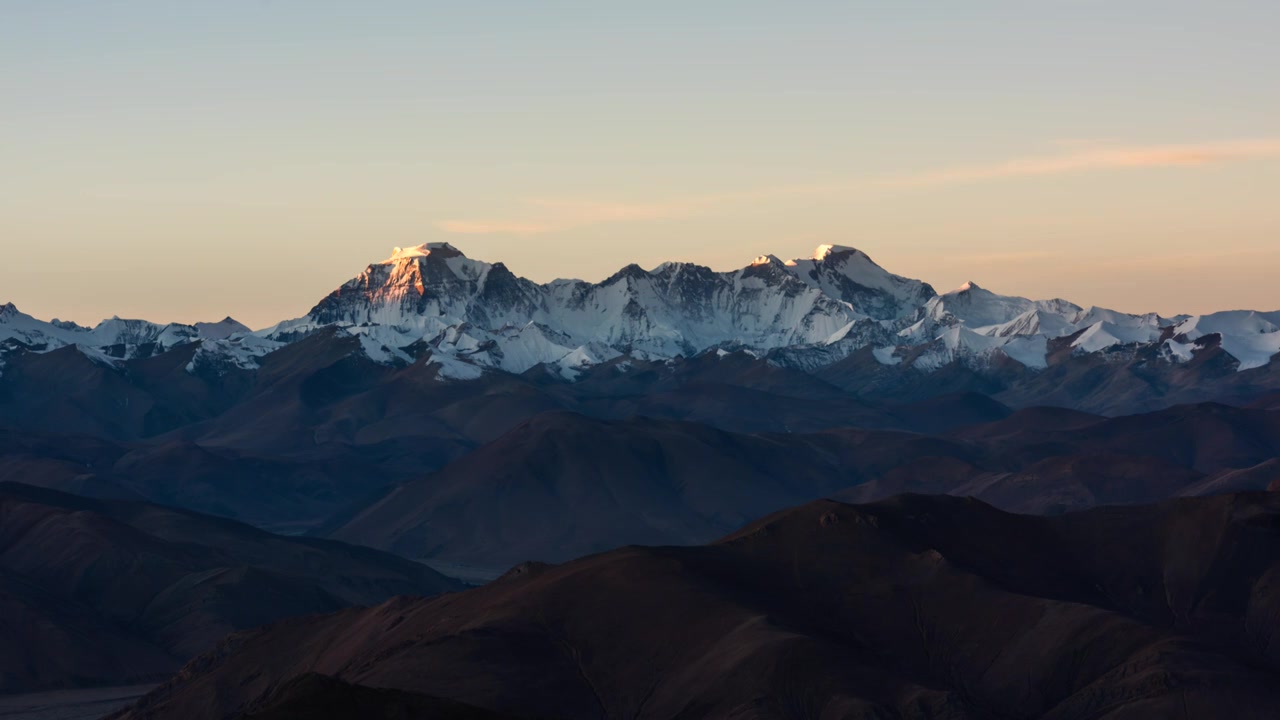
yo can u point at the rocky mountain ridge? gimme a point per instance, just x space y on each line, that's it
469 317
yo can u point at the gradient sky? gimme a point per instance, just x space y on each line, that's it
182 161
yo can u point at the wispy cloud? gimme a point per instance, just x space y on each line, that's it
496 227
1096 158
544 216
1001 258
1213 257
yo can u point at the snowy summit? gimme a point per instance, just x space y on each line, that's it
422 250
431 303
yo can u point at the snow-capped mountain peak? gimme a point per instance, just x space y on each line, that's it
850 275
110 340
1095 314
465 316
437 300
220 330
767 259
1253 338
433 299
440 249
822 252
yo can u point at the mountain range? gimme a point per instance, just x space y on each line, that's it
430 357
916 607
563 485
446 411
837 314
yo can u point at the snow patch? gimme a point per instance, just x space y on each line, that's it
1252 338
886 356
1178 352
451 368
1103 334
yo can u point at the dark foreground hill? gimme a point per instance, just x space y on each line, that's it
914 607
319 697
114 592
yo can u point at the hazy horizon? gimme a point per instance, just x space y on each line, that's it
245 158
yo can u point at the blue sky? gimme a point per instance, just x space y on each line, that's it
246 157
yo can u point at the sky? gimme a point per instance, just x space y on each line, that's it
184 161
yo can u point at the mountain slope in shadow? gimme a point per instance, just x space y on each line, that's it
562 485
914 607
114 592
